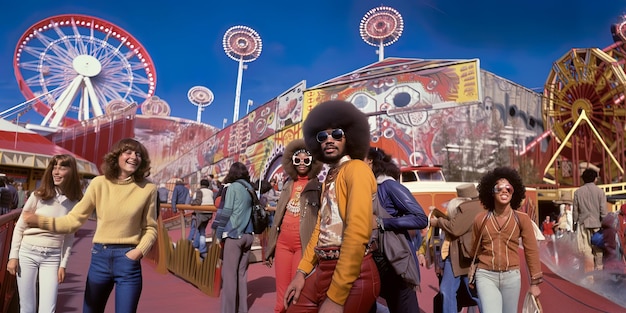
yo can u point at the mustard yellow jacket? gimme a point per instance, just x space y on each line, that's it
355 186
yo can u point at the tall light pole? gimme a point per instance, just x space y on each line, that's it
381 27
242 44
250 103
200 97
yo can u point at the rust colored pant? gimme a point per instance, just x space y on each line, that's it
364 291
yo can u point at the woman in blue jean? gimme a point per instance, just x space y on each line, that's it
496 236
125 205
38 254
234 230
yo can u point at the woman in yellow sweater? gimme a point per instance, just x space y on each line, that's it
124 201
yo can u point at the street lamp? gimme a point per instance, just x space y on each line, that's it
242 44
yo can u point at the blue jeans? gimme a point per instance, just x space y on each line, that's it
449 287
201 237
193 232
110 267
498 291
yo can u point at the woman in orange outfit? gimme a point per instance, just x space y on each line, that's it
296 215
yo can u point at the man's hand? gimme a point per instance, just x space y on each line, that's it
292 292
12 266
433 222
421 259
61 274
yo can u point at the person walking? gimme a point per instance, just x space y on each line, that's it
457 247
203 196
125 204
180 195
38 255
406 214
589 210
496 242
296 215
337 272
234 231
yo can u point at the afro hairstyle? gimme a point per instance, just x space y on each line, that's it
287 162
488 181
337 114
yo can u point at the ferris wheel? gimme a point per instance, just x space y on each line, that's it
71 67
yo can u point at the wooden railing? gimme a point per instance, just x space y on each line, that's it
8 289
181 258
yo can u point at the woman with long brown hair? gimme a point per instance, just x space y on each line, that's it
41 255
125 204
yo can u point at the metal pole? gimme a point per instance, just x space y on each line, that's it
198 117
238 91
381 51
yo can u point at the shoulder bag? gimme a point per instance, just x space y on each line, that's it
471 276
396 249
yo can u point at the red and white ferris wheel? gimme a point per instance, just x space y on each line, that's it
71 67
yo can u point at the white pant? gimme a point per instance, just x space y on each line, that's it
34 260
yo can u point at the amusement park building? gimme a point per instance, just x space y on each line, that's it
24 155
419 111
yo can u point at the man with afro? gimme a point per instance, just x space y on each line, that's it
337 272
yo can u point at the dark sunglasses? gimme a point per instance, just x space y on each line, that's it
336 133
499 188
306 161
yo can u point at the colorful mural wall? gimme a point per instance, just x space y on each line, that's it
257 140
413 106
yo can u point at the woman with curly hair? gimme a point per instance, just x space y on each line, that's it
39 256
496 241
125 204
296 215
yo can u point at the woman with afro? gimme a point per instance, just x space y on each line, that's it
496 241
296 215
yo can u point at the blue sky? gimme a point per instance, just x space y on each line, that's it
319 40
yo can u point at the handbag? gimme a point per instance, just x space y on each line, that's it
471 276
396 249
531 304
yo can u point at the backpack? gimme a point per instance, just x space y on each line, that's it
259 218
197 200
219 204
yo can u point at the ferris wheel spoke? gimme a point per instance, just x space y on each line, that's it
69 50
111 92
116 67
33 51
80 46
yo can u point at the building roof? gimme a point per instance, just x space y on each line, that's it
25 148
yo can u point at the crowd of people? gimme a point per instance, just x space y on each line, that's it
329 242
